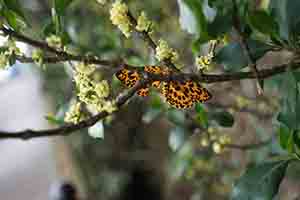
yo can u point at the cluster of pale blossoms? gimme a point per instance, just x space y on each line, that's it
74 115
54 41
218 141
37 56
203 63
9 48
91 92
164 52
144 24
119 17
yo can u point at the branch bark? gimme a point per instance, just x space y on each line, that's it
71 128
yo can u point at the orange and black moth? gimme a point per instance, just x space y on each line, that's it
178 93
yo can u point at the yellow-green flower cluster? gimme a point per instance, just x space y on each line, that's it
10 49
144 24
74 115
54 41
37 56
4 61
119 17
93 93
164 52
203 63
219 144
217 141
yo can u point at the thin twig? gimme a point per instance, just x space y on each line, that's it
245 47
147 38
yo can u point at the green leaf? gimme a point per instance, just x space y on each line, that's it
56 20
284 133
12 59
290 104
97 130
221 24
61 5
223 118
15 6
287 15
263 22
48 29
53 120
296 138
14 20
232 55
258 48
201 116
3 49
290 143
260 182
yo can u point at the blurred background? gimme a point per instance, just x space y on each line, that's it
147 148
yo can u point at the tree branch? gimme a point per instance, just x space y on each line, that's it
250 146
60 55
215 78
71 128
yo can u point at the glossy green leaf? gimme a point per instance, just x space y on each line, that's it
56 20
232 55
12 59
223 118
201 116
48 29
221 24
296 139
263 22
14 20
286 14
61 5
53 120
15 6
290 104
284 133
260 182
